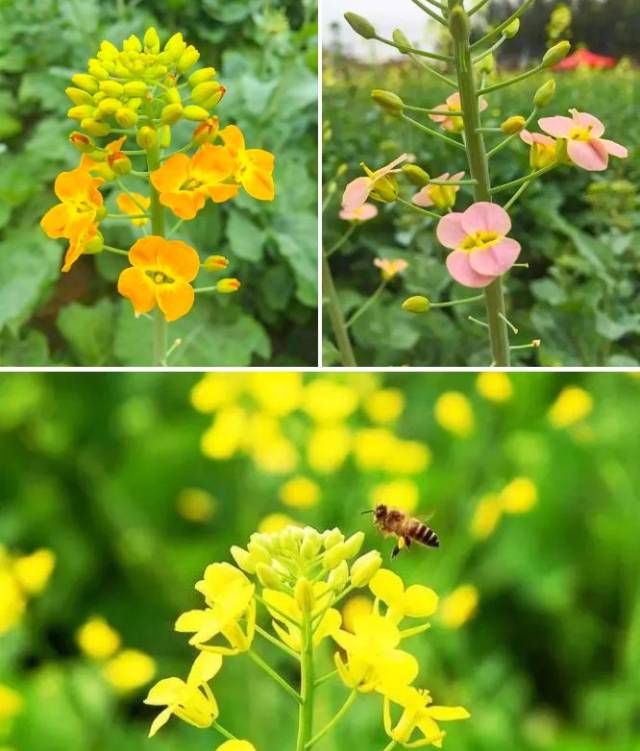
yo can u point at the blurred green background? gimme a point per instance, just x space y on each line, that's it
107 472
266 53
578 230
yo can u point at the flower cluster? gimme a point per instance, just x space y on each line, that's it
132 97
22 577
299 576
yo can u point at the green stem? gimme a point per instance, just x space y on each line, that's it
274 676
450 303
419 209
276 642
157 228
414 51
435 73
478 6
525 179
429 12
495 33
341 241
445 113
510 81
335 719
489 51
432 132
508 140
479 170
307 688
223 731
390 746
366 305
326 677
334 310
119 251
206 289
514 198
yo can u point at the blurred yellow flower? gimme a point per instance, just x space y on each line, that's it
236 745
34 571
11 703
215 390
97 639
354 608
385 405
415 601
279 394
460 606
195 505
12 601
572 405
486 516
300 492
519 496
326 400
130 670
224 438
372 447
408 458
401 493
454 413
278 456
275 523
496 387
328 447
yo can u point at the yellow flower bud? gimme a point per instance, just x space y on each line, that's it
95 127
332 537
108 51
545 93
416 304
386 189
109 106
81 111
132 44
354 543
188 59
202 75
556 53
268 576
513 124
204 91
151 41
86 82
173 49
486 65
311 543
97 70
334 556
388 101
165 136
135 88
244 559
134 104
360 25
111 88
78 96
339 576
171 114
84 144
95 246
126 117
365 568
206 132
147 137
216 263
215 98
172 95
193 112
227 286
120 164
416 175
304 595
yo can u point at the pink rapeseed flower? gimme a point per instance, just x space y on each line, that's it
389 268
358 190
543 149
361 214
585 147
442 197
481 249
454 123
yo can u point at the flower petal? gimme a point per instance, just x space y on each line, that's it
211 164
497 259
445 714
422 198
180 260
585 120
233 138
167 691
484 216
613 148
557 126
387 586
136 286
173 173
258 183
420 601
54 222
204 668
160 721
175 300
460 269
589 155
356 193
144 252
450 232
184 204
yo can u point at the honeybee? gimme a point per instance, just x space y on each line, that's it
405 528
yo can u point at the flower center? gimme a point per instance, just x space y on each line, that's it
191 184
158 277
479 240
580 134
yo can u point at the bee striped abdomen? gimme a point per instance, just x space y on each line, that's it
426 536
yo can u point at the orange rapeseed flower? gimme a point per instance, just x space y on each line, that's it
253 167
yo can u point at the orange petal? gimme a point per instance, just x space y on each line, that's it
115 146
136 286
175 300
183 203
55 221
212 164
69 185
258 184
233 138
77 245
134 204
180 260
222 192
144 252
173 173
261 159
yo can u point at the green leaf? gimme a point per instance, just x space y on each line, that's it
32 351
245 238
297 239
89 329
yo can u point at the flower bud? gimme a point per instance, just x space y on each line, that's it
205 90
512 29
95 127
193 112
360 25
386 189
109 106
227 286
416 304
311 543
135 88
339 576
85 82
147 138
96 245
334 556
389 101
126 117
132 44
151 41
545 93
402 43
172 95
120 164
268 576
97 70
244 559
513 124
365 568
215 98
84 144
202 75
258 550
486 65
111 88
171 114
79 112
188 59
174 48
78 96
459 23
304 595
216 263
165 136
353 544
416 175
557 53
332 537
206 132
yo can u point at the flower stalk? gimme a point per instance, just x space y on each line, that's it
154 159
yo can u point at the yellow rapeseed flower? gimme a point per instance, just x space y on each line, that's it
401 493
97 639
216 390
272 452
460 606
328 448
34 571
415 601
407 458
286 612
385 405
486 516
372 447
225 437
326 400
300 492
454 413
275 523
129 670
519 496
12 601
11 703
572 405
196 505
496 387
278 394
236 745
354 608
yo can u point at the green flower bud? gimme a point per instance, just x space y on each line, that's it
259 551
86 82
95 246
121 164
386 189
416 175
360 25
188 59
202 75
389 101
151 41
365 568
126 117
334 556
545 93
171 114
193 112
342 170
353 544
416 304
135 88
244 559
78 96
339 576
402 43
512 29
304 595
268 576
332 537
311 543
459 23
147 137
513 124
95 127
172 95
486 65
557 53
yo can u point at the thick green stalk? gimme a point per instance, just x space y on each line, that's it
307 686
479 170
157 227
335 316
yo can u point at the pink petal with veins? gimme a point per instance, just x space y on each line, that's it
356 193
497 259
460 269
585 120
557 126
589 155
613 148
450 232
486 217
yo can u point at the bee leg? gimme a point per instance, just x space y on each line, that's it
396 550
407 542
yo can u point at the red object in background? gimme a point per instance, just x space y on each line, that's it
586 58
